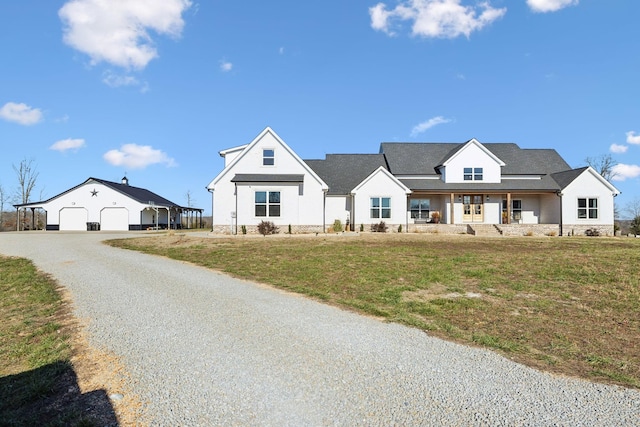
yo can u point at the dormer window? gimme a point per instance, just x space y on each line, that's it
473 174
268 157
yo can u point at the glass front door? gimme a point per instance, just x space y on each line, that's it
472 208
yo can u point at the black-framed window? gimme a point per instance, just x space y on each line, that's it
267 203
268 157
419 208
587 208
473 174
380 207
516 209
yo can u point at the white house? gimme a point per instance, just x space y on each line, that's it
97 204
457 187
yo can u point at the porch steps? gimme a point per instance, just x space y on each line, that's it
484 230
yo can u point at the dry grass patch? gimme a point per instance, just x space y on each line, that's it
567 305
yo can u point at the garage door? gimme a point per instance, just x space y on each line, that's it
73 219
114 219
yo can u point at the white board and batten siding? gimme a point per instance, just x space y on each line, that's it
301 203
589 185
380 184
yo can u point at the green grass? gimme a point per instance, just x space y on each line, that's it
567 305
35 368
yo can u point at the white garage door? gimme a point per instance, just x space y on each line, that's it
73 219
114 219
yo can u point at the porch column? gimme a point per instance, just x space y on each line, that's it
451 208
508 208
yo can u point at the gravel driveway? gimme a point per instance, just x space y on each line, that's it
205 349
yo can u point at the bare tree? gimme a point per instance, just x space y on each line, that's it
632 208
190 201
2 201
27 179
604 165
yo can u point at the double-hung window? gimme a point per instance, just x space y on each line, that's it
473 174
516 210
268 157
419 208
267 203
380 207
587 208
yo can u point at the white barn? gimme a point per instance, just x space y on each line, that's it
97 204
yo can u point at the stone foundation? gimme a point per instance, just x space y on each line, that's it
438 228
253 229
529 229
581 229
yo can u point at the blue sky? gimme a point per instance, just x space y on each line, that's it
154 90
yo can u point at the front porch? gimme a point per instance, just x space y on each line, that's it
521 209
495 230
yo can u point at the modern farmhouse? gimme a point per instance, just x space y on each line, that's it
467 187
97 204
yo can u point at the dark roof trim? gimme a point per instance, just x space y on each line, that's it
261 177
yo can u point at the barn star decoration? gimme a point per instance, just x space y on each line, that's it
94 193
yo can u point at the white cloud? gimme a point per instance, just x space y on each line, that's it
632 138
622 172
435 18
616 148
117 31
20 113
117 80
422 127
68 144
550 5
225 66
135 156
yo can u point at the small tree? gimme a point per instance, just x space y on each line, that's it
2 201
632 209
635 225
27 178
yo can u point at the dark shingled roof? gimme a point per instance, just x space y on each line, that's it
406 158
546 183
343 172
566 177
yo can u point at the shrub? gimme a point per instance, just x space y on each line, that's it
290 229
400 228
381 227
361 227
593 232
337 226
267 227
244 229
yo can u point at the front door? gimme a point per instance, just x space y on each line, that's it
472 209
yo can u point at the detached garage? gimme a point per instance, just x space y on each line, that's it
97 204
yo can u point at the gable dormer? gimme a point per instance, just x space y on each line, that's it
267 156
471 163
